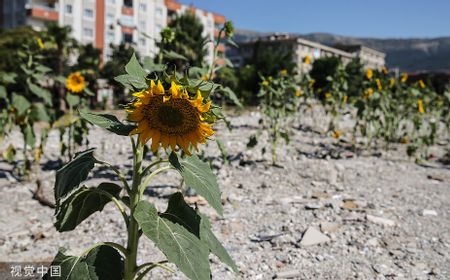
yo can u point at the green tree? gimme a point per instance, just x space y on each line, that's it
115 67
323 68
88 63
58 55
11 41
354 70
189 41
265 62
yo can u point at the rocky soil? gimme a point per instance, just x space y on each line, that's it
323 213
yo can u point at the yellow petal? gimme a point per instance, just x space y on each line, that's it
166 98
155 141
141 127
159 88
164 140
205 107
174 90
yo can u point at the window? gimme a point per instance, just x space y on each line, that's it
158 29
142 41
68 9
88 32
111 1
128 3
142 25
159 11
127 38
109 18
110 36
88 13
142 7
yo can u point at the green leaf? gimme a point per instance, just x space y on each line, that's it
180 246
3 94
61 79
198 175
39 113
134 68
83 203
108 122
178 211
73 173
151 67
20 103
131 82
207 236
28 132
41 92
181 213
101 263
72 99
173 55
232 96
43 69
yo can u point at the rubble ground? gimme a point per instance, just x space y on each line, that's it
313 216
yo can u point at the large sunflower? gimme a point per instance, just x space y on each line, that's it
169 117
75 82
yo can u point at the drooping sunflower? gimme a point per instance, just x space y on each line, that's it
170 117
75 82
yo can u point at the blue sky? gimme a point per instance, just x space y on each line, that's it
361 18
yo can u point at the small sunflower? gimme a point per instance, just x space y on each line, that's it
170 117
379 86
391 82
368 93
306 60
422 84
369 74
404 77
298 92
420 107
75 82
345 99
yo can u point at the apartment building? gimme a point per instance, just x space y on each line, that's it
302 48
12 13
106 22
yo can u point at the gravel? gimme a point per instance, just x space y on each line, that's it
378 215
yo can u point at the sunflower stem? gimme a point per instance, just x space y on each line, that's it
133 226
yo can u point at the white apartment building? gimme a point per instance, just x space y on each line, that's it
106 22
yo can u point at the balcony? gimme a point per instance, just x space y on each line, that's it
46 13
128 11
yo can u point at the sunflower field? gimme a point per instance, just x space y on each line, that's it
146 186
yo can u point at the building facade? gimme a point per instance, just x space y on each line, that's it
12 13
302 49
110 22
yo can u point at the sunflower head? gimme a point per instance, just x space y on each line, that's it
75 82
404 77
306 60
369 74
379 86
422 84
420 106
176 117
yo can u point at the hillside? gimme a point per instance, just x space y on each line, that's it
412 54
